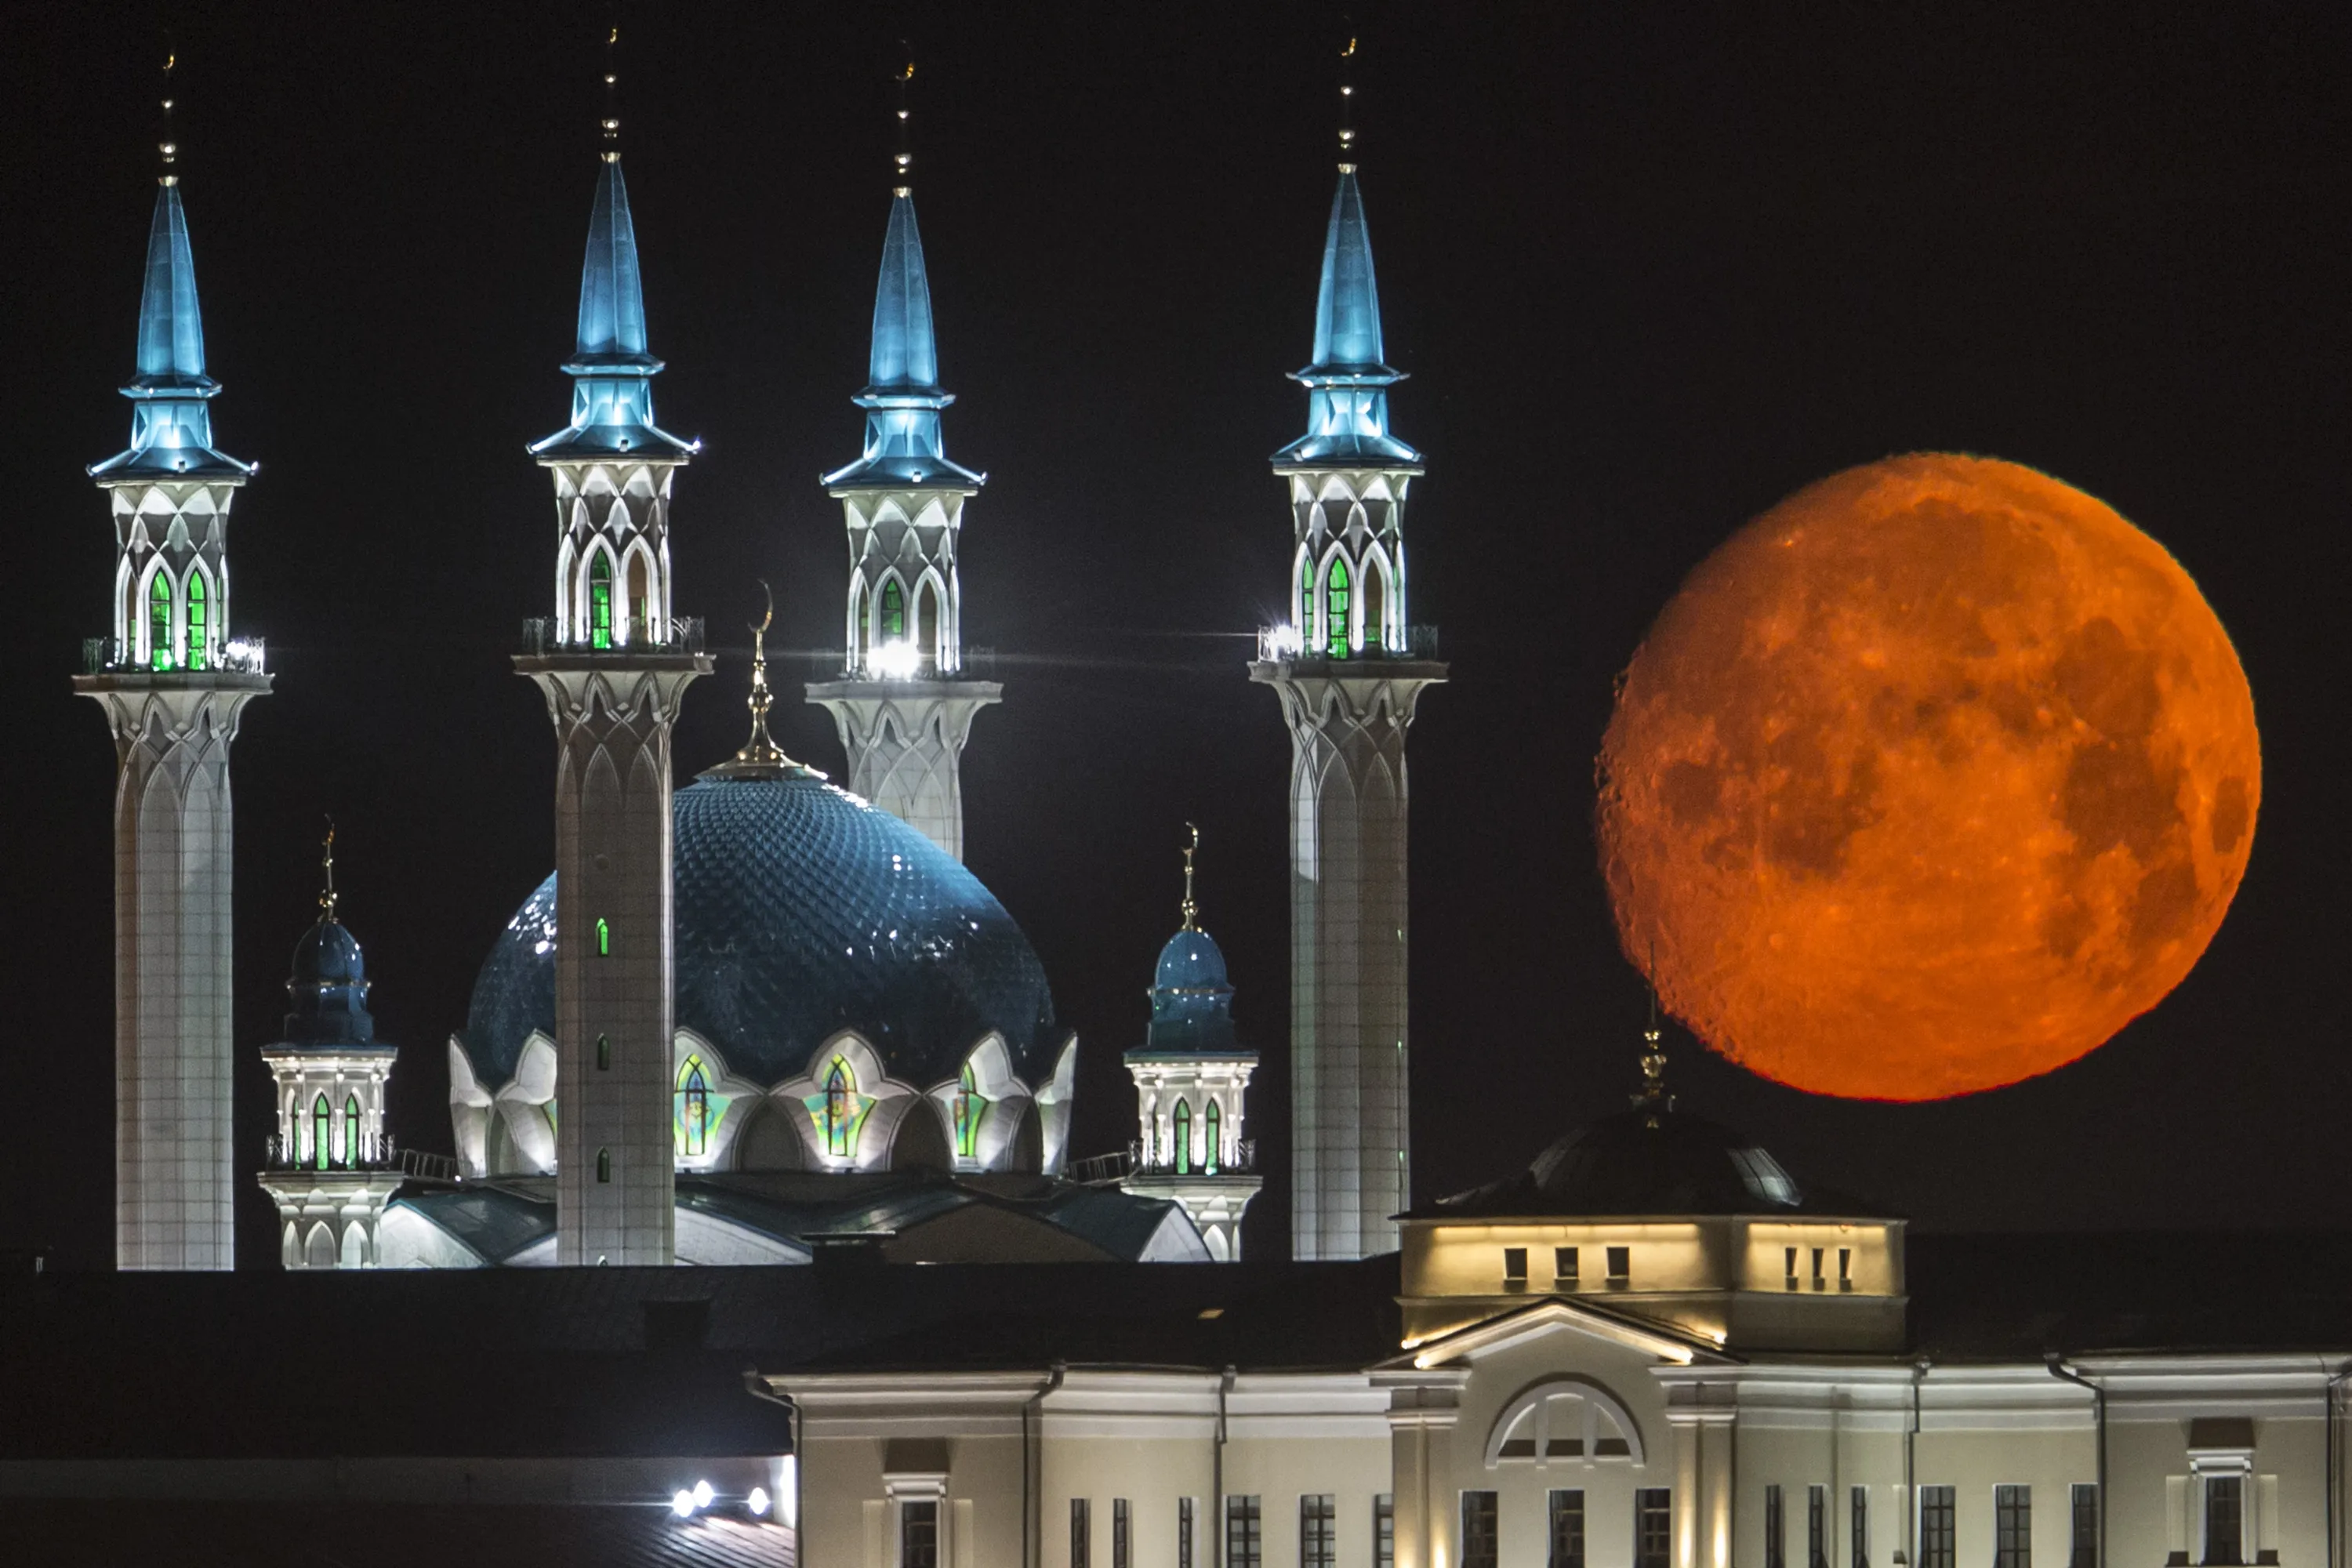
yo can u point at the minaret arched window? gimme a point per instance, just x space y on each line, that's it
604 938
927 622
641 608
1184 1138
320 1120
840 1109
967 1109
894 610
197 618
1335 608
600 600
1209 1139
693 1108
159 620
1375 604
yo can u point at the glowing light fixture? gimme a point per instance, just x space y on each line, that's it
758 1501
893 661
681 1504
702 1494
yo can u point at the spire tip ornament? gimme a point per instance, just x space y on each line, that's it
1191 911
761 756
327 895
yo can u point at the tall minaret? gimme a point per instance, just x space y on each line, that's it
173 683
903 704
1349 673
613 666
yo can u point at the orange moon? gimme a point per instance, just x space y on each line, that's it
1928 781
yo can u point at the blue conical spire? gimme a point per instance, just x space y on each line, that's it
611 397
171 428
902 397
1347 399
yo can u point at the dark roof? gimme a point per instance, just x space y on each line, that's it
353 1534
2007 1298
1646 1162
800 911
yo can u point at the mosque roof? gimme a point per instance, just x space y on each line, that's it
1347 399
328 991
1649 1160
171 422
1191 1001
801 911
903 397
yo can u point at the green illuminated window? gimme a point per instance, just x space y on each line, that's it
1183 1120
693 1108
1335 608
968 1107
159 621
603 1165
196 620
603 1053
1306 599
600 601
319 1119
1209 1139
893 609
840 1109
604 938
352 1130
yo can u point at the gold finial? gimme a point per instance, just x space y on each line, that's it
902 163
1347 109
611 124
327 865
761 757
1654 1097
1191 911
169 146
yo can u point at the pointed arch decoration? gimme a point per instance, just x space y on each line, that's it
199 618
1183 1137
1209 1133
159 619
1337 595
693 1104
600 599
320 1117
352 1148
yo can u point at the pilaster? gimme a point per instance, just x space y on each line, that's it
173 854
614 970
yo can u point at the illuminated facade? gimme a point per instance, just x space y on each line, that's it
904 705
1191 1077
1349 673
173 683
331 1171
614 667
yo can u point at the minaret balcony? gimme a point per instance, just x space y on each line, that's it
682 634
376 1155
1282 645
114 656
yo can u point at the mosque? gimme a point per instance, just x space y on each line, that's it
768 1022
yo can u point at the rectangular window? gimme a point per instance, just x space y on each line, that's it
919 1534
1817 1527
1790 1254
1845 1267
1621 1265
1936 1527
2084 1535
1184 1527
1858 1530
1317 1531
2225 1518
1653 1527
1384 1530
1121 1556
1776 1530
1816 1269
1563 1266
1244 1540
1567 1529
1515 1268
2012 1527
1082 1531
1481 1548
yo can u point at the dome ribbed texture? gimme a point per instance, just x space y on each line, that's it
800 911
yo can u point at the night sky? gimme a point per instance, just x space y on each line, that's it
1649 271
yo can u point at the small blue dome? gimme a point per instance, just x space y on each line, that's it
801 911
329 990
1191 1001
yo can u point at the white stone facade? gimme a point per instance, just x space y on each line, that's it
173 854
171 574
328 1171
905 742
1192 1145
612 556
613 715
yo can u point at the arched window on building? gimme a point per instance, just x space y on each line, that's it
1184 1120
926 624
197 619
894 610
352 1130
1306 600
603 1165
321 1120
604 938
159 621
1209 1145
641 603
1335 608
600 600
967 1109
840 1109
693 1108
1376 583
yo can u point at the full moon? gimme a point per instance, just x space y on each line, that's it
1928 781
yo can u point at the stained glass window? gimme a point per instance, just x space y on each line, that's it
693 1108
1184 1138
352 1130
893 609
159 621
600 601
968 1107
1305 601
1335 608
1209 1144
839 1090
604 938
196 620
319 1119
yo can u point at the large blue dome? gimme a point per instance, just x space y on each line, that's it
802 910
